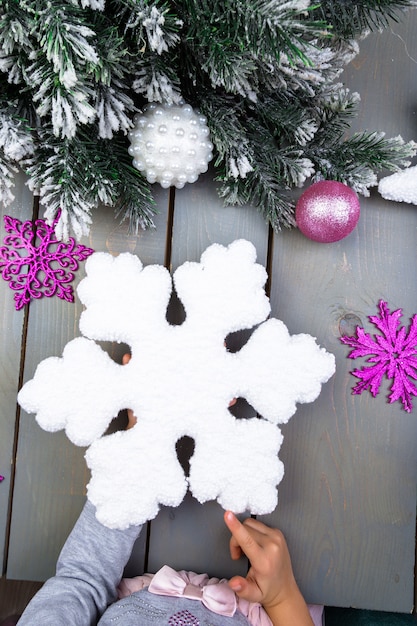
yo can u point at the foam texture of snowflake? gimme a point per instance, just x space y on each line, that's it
393 354
35 263
179 382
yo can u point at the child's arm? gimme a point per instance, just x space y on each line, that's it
270 580
89 569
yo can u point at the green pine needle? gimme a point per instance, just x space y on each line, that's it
263 72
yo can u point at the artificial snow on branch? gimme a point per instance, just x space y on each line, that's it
264 74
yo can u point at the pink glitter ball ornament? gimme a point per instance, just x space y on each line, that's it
327 211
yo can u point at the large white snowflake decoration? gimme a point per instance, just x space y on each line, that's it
179 381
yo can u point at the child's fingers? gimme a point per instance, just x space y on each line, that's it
231 522
131 419
242 539
258 526
235 550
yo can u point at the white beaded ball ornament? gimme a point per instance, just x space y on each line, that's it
170 144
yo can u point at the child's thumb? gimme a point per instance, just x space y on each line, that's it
237 583
245 589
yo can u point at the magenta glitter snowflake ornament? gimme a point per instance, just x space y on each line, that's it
393 354
37 264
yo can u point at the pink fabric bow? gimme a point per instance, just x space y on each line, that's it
215 594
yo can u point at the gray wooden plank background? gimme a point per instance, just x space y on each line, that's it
347 503
10 348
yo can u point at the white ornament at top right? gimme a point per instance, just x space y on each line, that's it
401 186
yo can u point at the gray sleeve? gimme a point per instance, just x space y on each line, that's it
88 571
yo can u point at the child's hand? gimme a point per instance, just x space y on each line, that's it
270 580
131 418
270 576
